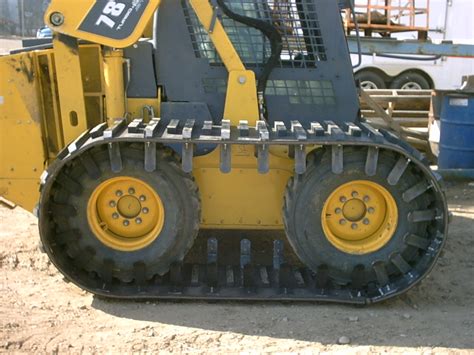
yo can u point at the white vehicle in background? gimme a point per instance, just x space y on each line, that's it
450 20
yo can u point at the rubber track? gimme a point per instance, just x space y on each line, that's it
249 281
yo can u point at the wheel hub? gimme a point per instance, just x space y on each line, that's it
360 217
125 213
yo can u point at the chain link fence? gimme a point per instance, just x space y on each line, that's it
21 18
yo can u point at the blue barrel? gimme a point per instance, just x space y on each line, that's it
456 148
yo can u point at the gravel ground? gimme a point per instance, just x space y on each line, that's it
42 313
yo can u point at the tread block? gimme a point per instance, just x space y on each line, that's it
98 131
417 242
243 128
107 270
397 172
136 126
78 142
115 129
187 153
337 152
300 159
415 191
317 129
400 263
69 184
89 164
68 237
352 129
207 128
176 276
322 277
62 210
372 161
152 128
422 216
188 129
278 256
263 159
280 130
229 276
298 131
333 129
370 131
358 277
173 126
381 273
115 157
225 129
150 157
284 277
225 163
139 272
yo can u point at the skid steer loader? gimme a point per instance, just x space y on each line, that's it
154 119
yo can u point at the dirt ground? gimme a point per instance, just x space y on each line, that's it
42 313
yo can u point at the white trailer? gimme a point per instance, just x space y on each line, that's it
449 20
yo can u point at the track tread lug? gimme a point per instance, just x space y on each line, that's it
372 161
417 241
381 273
400 263
397 171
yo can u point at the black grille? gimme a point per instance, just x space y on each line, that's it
296 20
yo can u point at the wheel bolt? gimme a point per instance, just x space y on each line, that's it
371 210
354 226
366 221
145 210
131 191
366 198
115 216
343 199
119 193
112 204
342 222
355 194
138 221
338 211
126 223
142 198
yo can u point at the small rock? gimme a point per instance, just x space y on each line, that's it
353 319
151 333
406 316
285 319
344 340
471 184
83 307
403 335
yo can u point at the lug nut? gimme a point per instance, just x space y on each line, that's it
138 221
366 221
354 226
145 210
342 222
371 210
366 198
338 211
126 223
142 198
343 199
118 193
112 204
115 216
131 191
355 194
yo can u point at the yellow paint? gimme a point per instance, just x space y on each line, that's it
21 145
241 99
125 213
75 12
70 90
360 217
242 199
114 85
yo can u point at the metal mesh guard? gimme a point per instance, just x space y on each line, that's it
296 20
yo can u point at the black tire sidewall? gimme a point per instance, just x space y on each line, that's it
405 78
372 77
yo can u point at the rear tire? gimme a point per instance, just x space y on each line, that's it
369 80
410 81
307 196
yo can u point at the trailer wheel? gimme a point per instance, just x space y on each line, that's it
351 222
410 81
369 80
130 225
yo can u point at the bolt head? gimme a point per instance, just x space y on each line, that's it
343 199
112 204
145 210
56 18
138 221
131 191
242 79
142 198
366 198
126 223
342 222
366 221
118 193
355 194
338 211
115 216
371 210
354 226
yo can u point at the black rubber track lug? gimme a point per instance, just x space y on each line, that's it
139 273
422 216
416 241
337 159
107 270
300 159
150 157
358 277
62 210
397 171
322 277
415 191
381 273
72 186
372 161
400 263
115 157
89 164
67 237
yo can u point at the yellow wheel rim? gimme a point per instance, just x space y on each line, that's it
359 217
125 213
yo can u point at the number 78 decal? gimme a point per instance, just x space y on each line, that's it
112 9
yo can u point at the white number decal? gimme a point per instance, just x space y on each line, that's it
113 9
